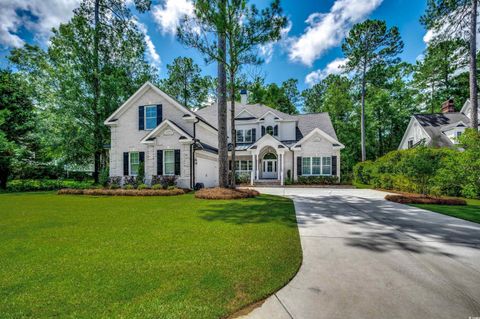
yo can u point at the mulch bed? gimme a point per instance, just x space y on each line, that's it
225 193
123 192
420 199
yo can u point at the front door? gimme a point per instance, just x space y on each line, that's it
269 169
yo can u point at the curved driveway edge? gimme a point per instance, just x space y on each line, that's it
364 257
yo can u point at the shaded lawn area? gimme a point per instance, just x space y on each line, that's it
471 212
142 257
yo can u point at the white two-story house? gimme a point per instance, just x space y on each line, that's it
154 130
438 129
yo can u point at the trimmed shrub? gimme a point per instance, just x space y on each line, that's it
225 193
242 178
157 186
317 180
128 187
142 186
418 199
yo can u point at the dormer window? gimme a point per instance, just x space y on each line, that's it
150 117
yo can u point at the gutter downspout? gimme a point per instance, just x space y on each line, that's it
192 154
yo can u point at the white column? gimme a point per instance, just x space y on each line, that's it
252 173
257 176
281 168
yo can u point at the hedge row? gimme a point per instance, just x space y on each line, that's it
420 199
123 192
427 170
30 185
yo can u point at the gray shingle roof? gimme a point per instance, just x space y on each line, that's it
436 124
305 122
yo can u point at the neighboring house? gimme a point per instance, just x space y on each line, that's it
154 129
437 130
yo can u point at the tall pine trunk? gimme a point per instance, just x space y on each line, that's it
232 128
222 111
97 132
362 124
473 66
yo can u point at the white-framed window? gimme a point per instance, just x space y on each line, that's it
134 163
317 166
458 134
150 117
244 136
243 166
269 130
168 162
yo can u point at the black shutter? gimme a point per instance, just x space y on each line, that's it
159 114
230 165
141 118
141 156
177 162
263 130
254 135
160 162
125 163
334 165
299 166
275 130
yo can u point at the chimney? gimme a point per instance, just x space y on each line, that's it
243 96
448 106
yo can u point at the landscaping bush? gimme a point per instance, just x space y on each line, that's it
104 177
242 178
164 180
435 171
122 192
115 182
130 182
317 180
44 185
142 186
225 193
418 199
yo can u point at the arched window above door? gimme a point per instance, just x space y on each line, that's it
270 156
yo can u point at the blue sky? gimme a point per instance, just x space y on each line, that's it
310 48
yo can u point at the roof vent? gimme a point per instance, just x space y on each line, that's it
448 106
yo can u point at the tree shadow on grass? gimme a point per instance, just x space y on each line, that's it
259 210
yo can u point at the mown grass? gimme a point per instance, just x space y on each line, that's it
471 212
142 257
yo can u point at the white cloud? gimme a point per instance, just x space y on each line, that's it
152 54
37 16
334 67
168 15
266 50
327 30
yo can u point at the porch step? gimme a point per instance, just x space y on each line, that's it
267 182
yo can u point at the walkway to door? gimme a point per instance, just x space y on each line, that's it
365 257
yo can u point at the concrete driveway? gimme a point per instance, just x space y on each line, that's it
365 257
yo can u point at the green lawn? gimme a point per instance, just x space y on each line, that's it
470 212
142 257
